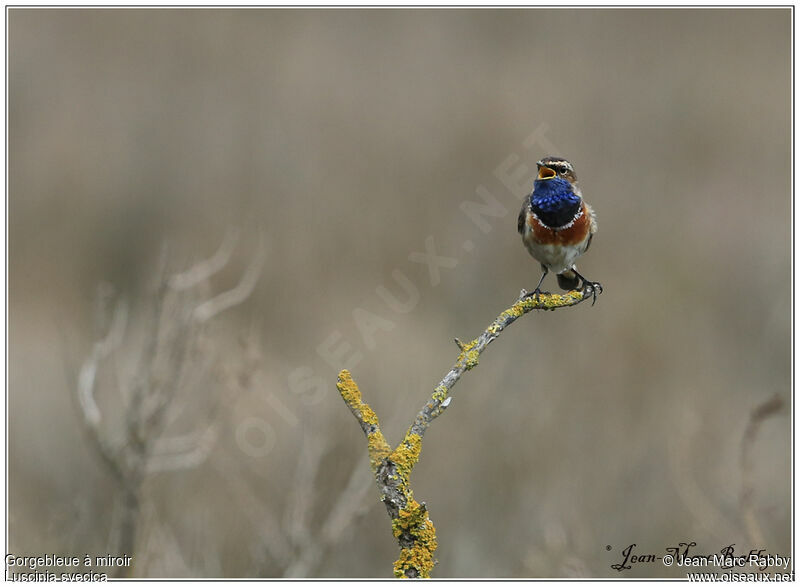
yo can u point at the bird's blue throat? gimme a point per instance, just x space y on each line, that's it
554 202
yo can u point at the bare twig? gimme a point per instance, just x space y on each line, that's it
298 512
238 294
760 413
88 372
182 452
392 468
174 325
206 269
349 507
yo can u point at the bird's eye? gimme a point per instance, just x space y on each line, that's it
563 172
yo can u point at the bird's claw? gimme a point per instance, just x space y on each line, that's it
596 288
530 294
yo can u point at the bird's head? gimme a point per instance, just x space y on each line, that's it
552 167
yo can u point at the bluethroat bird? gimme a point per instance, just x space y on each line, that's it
557 225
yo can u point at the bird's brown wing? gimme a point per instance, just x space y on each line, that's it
521 217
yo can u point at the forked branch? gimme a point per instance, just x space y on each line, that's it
392 468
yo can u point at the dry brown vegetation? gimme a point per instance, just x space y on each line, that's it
346 143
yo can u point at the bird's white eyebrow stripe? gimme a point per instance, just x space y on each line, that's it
564 164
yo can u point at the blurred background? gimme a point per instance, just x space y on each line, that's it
211 212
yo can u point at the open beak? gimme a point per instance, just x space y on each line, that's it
546 173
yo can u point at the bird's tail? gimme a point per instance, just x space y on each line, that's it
568 280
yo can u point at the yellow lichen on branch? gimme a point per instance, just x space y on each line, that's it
468 357
392 469
414 527
406 455
376 443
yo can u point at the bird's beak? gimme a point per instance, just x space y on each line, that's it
546 173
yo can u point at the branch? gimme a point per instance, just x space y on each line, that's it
470 351
173 329
392 468
239 293
207 268
92 417
88 373
758 415
410 522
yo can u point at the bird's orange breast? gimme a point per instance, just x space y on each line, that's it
573 233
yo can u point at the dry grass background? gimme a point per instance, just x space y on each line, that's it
347 137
